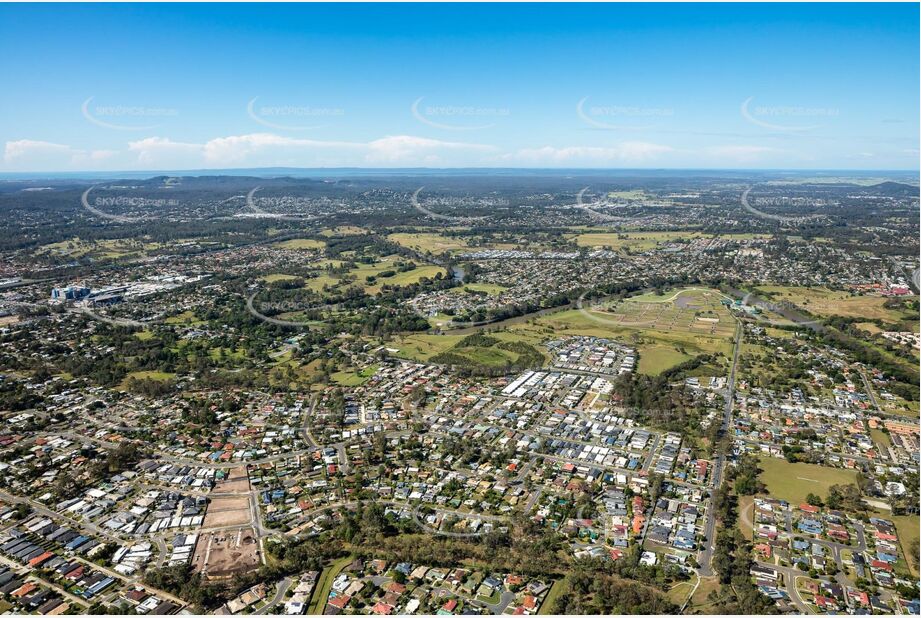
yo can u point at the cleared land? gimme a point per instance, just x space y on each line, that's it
429 242
824 302
223 554
229 510
634 241
301 243
794 481
909 529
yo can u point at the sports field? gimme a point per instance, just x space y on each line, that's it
794 481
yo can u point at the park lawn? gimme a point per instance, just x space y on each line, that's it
440 319
186 317
679 592
349 377
238 354
278 277
429 242
907 527
363 271
160 376
318 283
699 603
404 278
490 288
794 481
321 592
301 243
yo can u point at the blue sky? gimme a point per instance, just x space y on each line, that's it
142 87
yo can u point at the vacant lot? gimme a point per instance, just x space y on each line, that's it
229 504
794 481
223 554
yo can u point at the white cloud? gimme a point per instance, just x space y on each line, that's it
626 152
409 150
268 149
35 154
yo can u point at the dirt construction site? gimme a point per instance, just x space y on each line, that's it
222 553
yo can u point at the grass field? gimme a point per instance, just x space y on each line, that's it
794 481
428 242
699 604
634 241
909 537
278 277
881 438
490 288
745 508
423 347
350 377
186 317
662 339
666 331
362 271
321 592
344 230
301 243
655 358
405 278
559 587
101 249
823 302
